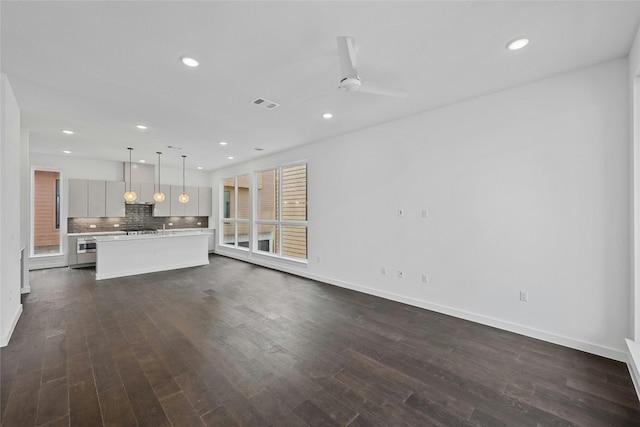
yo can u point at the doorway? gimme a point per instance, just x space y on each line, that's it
46 213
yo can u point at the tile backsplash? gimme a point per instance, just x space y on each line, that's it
137 217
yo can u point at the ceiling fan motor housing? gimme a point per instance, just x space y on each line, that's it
350 84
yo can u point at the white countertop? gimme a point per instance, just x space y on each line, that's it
120 237
167 231
186 230
97 233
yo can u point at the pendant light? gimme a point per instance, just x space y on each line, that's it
130 196
184 197
158 196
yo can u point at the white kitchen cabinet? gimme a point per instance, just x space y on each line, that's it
211 242
204 201
191 208
96 198
77 198
184 209
164 208
114 203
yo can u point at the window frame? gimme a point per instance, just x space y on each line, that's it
280 223
235 221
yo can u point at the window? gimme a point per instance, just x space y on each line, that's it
227 204
236 208
45 220
279 216
281 221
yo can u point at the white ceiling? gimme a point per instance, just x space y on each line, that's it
101 67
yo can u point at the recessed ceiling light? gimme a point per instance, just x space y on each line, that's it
66 152
517 43
67 131
223 143
199 168
189 62
327 115
230 157
143 161
141 127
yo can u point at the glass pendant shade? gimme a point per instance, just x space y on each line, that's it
158 196
130 196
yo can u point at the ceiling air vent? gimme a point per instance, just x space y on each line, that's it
264 103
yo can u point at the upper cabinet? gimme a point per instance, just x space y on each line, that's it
184 209
204 201
114 199
90 198
78 198
94 198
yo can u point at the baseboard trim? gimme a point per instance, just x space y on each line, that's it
633 364
610 353
4 339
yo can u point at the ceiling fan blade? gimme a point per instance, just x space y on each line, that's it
377 89
347 54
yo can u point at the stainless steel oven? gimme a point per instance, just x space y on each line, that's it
86 245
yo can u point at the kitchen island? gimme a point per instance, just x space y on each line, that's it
118 256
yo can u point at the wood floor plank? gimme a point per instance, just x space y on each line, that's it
53 401
116 408
180 411
84 407
313 415
235 344
22 405
219 417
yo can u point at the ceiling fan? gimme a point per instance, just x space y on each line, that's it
351 81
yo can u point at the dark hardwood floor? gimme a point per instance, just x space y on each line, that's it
235 344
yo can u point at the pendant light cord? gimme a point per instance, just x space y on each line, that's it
183 157
159 152
130 150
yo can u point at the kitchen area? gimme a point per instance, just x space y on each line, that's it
121 238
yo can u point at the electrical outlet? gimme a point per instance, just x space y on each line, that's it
198 223
425 213
170 224
400 212
400 274
92 226
318 260
383 271
116 225
425 278
524 296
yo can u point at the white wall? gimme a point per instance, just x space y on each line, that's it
527 189
634 159
9 211
78 168
25 207
633 343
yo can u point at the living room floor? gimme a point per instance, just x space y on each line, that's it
236 344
